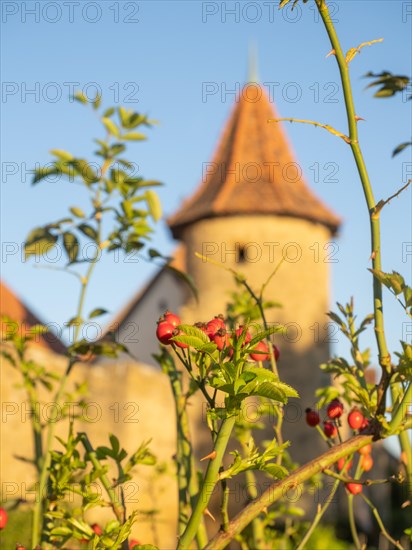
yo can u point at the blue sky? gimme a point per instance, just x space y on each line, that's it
158 58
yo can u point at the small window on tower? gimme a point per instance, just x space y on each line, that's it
163 306
242 258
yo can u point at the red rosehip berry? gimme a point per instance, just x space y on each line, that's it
366 450
263 347
20 546
355 419
312 418
242 329
133 543
4 517
221 339
366 463
171 318
341 465
164 332
97 529
334 409
214 325
201 326
365 424
329 429
354 488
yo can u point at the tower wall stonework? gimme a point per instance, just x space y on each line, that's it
301 285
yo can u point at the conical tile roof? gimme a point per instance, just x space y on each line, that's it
253 171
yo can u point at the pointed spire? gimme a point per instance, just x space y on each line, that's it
253 172
253 73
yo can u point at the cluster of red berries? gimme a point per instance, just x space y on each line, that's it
215 329
334 411
356 421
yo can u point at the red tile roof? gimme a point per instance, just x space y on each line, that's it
24 318
253 172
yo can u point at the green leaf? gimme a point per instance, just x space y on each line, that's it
114 443
186 278
97 101
39 242
79 96
41 173
38 329
191 330
84 170
401 147
133 136
78 212
63 155
61 531
394 281
154 205
108 112
97 312
89 231
111 126
191 341
276 471
71 246
265 333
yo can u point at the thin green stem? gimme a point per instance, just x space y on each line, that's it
209 483
36 424
374 216
320 513
188 487
278 489
41 499
352 523
384 357
259 303
224 505
380 523
115 500
257 526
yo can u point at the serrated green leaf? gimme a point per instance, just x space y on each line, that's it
191 341
276 471
191 330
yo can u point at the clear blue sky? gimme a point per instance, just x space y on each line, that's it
157 57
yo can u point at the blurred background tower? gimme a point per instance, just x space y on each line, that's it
252 208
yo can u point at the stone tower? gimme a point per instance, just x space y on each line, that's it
251 208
